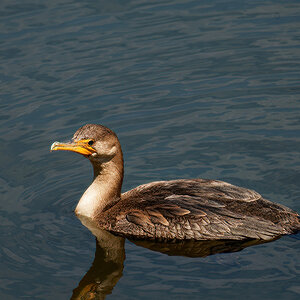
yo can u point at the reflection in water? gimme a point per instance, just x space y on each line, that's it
199 248
108 264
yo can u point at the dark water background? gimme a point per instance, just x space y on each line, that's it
204 89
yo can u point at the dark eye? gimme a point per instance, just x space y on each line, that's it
91 142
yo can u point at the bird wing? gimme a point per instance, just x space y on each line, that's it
193 209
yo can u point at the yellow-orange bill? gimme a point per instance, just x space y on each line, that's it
81 147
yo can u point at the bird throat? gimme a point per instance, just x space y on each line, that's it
104 190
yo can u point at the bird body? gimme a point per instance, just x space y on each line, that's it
184 209
195 209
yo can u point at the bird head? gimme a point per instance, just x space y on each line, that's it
96 142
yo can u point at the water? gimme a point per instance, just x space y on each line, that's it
204 89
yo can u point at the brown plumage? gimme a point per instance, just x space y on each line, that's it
196 209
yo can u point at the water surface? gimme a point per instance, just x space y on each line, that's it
204 89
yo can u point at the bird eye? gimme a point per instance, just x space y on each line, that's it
91 142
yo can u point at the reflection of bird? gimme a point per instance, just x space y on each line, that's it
179 209
193 248
107 266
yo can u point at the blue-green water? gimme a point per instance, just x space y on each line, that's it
204 89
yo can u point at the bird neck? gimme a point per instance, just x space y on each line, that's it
105 188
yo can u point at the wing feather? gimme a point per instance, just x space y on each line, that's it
197 209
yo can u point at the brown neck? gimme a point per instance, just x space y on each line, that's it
105 189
